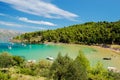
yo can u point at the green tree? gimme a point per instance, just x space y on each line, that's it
4 76
88 33
6 60
59 67
18 60
99 73
64 68
79 68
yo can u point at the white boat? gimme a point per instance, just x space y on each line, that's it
31 61
12 43
23 44
50 58
114 69
9 47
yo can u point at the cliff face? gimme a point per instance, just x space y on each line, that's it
6 35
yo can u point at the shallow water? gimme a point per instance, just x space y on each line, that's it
42 51
36 51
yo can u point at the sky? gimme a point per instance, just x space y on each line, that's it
35 15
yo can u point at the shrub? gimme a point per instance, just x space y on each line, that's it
6 60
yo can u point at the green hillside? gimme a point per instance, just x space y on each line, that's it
87 33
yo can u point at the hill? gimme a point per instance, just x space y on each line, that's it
87 33
6 35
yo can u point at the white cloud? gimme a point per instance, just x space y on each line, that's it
1 14
24 19
10 24
40 8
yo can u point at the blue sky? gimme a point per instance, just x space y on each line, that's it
34 15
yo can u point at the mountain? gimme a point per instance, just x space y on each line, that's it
6 35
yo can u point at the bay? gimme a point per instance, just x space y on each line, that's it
42 51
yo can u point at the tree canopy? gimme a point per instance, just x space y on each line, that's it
64 68
87 33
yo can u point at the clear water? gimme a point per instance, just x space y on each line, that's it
42 51
35 51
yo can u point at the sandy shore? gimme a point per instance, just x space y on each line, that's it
114 48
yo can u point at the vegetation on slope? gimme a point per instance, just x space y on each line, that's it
87 33
62 68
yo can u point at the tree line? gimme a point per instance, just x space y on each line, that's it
87 33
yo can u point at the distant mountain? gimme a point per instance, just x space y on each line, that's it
6 35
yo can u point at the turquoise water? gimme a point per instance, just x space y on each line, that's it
35 51
42 51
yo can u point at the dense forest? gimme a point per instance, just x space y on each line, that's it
62 68
87 33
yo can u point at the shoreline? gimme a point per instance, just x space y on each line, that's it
101 52
105 46
116 50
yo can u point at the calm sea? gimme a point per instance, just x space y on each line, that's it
36 51
42 51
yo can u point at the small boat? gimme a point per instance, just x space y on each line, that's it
50 58
12 43
114 69
9 47
23 44
31 61
107 58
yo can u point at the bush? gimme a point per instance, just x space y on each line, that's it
27 71
4 76
44 64
64 68
6 60
18 61
99 73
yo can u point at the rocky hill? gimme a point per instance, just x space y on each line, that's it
6 35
